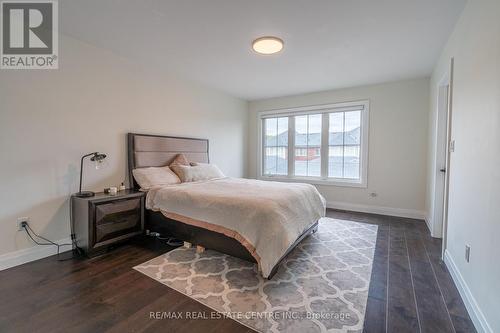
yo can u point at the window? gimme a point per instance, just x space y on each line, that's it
344 144
307 145
324 144
276 146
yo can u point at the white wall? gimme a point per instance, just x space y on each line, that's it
397 148
49 118
474 198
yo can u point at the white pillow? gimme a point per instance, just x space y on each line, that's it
200 171
153 176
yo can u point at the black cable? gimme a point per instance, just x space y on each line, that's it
34 233
78 249
171 241
34 240
27 228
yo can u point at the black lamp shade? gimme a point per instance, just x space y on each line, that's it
98 157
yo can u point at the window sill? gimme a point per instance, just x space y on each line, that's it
316 181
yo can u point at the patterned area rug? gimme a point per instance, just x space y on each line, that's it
322 286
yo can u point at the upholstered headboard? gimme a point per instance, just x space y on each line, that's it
146 150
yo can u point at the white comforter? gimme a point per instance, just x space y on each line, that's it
268 216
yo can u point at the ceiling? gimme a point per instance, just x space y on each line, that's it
329 44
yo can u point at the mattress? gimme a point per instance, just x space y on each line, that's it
264 216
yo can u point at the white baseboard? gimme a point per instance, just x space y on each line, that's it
33 253
400 212
428 223
475 312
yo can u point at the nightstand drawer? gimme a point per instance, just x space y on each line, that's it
102 221
117 218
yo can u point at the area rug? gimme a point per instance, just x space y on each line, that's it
322 286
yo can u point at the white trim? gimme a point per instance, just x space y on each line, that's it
33 253
428 222
362 105
341 182
470 302
291 142
399 212
321 108
365 144
325 147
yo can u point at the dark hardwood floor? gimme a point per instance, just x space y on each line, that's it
410 290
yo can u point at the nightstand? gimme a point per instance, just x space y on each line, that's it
104 220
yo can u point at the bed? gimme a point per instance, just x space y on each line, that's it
247 219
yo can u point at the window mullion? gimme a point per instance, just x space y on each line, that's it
325 129
276 148
263 147
343 144
307 146
291 146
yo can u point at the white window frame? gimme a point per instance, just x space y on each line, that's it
325 109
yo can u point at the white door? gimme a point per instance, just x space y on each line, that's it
440 166
444 146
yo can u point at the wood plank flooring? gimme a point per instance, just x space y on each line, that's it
410 290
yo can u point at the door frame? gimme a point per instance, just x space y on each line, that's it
449 149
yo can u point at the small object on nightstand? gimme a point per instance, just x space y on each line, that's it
113 190
122 187
104 220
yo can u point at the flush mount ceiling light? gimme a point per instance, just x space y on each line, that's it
267 45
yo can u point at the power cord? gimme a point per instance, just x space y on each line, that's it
28 230
167 240
75 248
171 241
79 251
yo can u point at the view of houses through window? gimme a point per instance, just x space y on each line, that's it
344 145
308 140
276 146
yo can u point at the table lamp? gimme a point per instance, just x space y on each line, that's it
98 158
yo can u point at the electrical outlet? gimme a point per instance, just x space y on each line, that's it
21 221
452 146
467 253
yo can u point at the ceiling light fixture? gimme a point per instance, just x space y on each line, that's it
267 45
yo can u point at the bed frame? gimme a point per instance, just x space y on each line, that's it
146 150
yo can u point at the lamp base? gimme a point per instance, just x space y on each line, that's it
85 194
